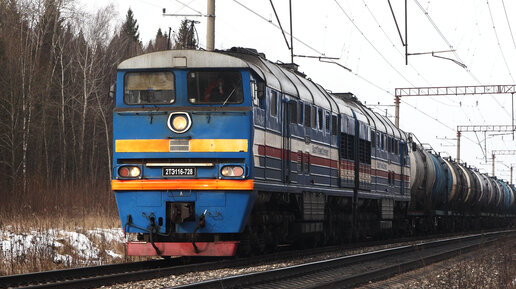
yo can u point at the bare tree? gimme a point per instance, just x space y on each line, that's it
57 64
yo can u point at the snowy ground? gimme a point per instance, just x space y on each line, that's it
68 248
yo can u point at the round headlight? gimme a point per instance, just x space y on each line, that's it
129 172
179 122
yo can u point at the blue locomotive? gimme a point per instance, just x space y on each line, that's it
219 151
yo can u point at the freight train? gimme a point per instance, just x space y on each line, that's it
226 151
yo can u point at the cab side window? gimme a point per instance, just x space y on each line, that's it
300 113
293 111
327 121
308 114
320 119
334 125
314 117
274 103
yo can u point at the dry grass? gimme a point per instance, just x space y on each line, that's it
491 267
60 221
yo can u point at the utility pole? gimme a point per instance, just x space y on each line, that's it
458 146
502 152
210 26
397 111
210 23
493 166
480 128
291 33
450 90
406 33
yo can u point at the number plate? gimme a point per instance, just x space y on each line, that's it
178 172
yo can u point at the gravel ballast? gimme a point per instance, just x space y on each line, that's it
489 267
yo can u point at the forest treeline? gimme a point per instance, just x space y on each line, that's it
57 64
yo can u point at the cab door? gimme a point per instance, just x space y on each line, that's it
289 121
274 138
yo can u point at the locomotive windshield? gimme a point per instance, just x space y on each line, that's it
149 88
214 87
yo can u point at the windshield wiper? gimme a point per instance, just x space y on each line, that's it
224 103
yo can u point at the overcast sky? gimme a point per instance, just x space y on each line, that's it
362 34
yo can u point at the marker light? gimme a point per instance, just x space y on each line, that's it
232 171
179 122
129 172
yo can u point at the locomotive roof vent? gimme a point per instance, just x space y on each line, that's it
292 67
345 95
246 50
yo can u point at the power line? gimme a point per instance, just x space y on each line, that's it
392 43
401 53
469 119
270 22
503 55
454 52
498 41
508 23
358 75
372 45
377 86
188 5
459 105
443 37
411 106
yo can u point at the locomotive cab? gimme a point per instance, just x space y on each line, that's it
181 165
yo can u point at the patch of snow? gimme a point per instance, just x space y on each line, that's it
65 259
109 235
82 246
113 254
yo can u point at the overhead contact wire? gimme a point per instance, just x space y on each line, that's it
509 24
270 22
498 42
372 45
454 52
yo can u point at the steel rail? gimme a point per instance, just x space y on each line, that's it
328 273
86 277
48 277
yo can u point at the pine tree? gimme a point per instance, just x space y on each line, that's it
130 36
185 38
161 41
130 27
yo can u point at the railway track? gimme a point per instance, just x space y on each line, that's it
93 276
354 270
96 276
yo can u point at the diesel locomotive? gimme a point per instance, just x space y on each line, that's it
215 152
